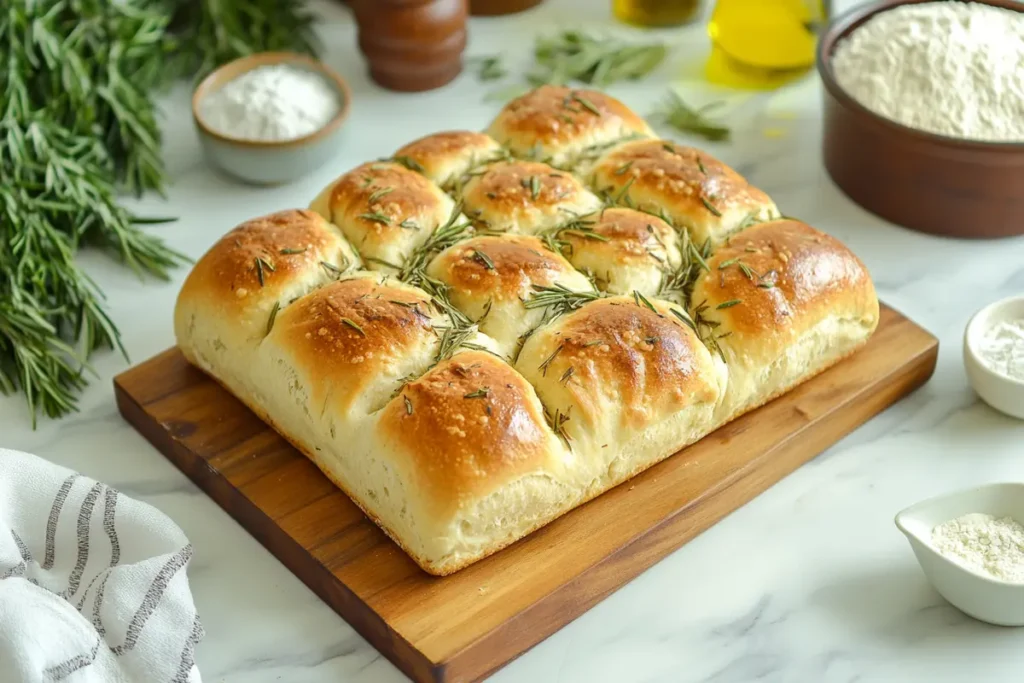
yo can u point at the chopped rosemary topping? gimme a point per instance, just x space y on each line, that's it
746 270
685 319
532 183
378 193
586 104
749 220
289 252
543 367
727 304
273 316
710 207
641 300
750 249
625 167
595 342
559 299
566 375
409 224
765 285
700 165
725 264
483 259
667 146
332 269
492 195
651 340
408 162
261 265
353 325
408 405
676 113
557 421
479 393
376 217
577 227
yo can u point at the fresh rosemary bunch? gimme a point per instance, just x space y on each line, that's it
207 33
77 126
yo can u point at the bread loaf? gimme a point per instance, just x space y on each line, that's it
489 329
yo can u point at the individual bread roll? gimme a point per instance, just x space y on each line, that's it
233 293
490 278
622 249
561 125
525 197
344 349
783 302
445 157
626 382
385 210
687 187
471 463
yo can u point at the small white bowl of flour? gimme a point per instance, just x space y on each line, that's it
270 117
994 355
970 545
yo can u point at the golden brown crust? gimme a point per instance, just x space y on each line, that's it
469 425
774 279
691 188
524 196
560 123
499 266
630 238
647 361
443 156
262 256
349 332
384 209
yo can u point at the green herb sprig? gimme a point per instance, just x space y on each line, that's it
677 114
78 126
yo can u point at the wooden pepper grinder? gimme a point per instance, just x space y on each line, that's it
412 45
491 8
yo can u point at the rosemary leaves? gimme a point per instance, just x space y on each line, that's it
677 114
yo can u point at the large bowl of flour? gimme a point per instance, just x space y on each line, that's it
924 113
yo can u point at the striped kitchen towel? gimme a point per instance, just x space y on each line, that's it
92 583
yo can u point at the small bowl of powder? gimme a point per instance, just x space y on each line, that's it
271 117
970 545
924 113
994 355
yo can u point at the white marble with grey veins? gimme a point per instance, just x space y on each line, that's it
809 582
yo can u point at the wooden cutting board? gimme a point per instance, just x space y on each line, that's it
461 627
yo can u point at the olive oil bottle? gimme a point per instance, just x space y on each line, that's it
656 13
763 44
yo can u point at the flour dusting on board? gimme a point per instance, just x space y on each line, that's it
951 68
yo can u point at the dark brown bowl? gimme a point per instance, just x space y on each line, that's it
926 182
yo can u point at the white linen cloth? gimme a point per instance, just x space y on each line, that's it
92 583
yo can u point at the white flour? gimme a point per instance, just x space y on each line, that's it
985 544
278 102
951 68
1002 349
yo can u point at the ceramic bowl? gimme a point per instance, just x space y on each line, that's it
270 162
1003 393
984 598
926 182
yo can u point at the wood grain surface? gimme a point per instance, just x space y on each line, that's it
461 627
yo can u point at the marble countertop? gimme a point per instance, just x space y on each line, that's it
811 581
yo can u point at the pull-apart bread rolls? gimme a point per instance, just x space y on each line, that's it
487 330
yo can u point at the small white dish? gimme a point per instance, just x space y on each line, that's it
980 596
270 162
1003 393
